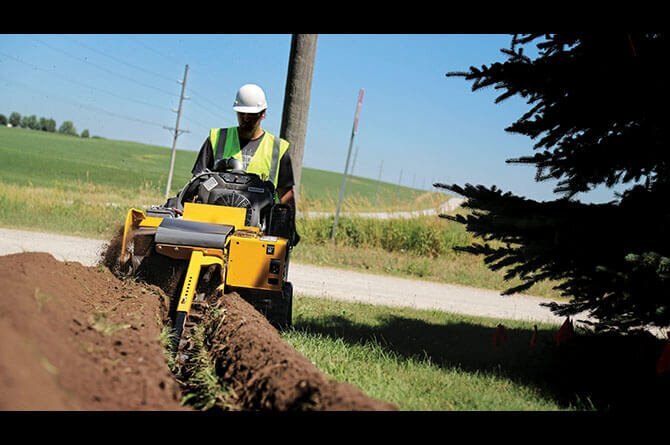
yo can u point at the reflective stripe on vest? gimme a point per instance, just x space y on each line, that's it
265 162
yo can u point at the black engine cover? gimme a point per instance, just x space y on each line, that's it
233 189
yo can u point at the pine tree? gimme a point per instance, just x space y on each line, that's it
598 113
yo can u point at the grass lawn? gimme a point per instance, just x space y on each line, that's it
426 360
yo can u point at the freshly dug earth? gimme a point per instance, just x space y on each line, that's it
78 338
265 373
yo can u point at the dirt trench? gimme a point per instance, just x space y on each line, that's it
81 338
266 373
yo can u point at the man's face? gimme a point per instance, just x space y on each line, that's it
249 121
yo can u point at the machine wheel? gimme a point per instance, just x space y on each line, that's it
288 289
282 310
275 306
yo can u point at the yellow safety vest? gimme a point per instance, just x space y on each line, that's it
264 163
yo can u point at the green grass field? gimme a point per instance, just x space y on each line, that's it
321 191
40 159
424 360
37 158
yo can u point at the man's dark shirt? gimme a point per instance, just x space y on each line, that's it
205 160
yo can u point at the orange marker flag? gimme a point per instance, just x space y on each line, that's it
663 363
499 336
533 337
565 333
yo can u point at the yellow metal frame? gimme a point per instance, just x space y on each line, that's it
197 261
208 213
151 221
249 258
134 218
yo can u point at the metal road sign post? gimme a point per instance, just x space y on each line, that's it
346 167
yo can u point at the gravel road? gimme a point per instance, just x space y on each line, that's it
325 282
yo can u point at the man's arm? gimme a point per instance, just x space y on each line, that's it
285 190
285 182
205 158
286 196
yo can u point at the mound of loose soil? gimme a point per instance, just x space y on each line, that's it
266 373
78 338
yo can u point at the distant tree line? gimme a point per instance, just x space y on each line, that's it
43 124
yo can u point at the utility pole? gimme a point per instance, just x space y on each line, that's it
296 100
177 132
346 167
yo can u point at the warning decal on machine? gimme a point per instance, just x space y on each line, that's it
210 184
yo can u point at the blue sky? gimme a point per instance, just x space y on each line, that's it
423 126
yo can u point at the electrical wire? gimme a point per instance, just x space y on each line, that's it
79 104
123 62
218 116
101 110
154 50
80 83
105 69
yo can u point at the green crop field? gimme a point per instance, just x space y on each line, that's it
36 158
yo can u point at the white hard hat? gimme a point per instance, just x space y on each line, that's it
250 99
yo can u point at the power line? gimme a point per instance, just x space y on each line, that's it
123 62
104 69
99 110
80 83
196 94
192 92
155 50
35 67
197 124
218 116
